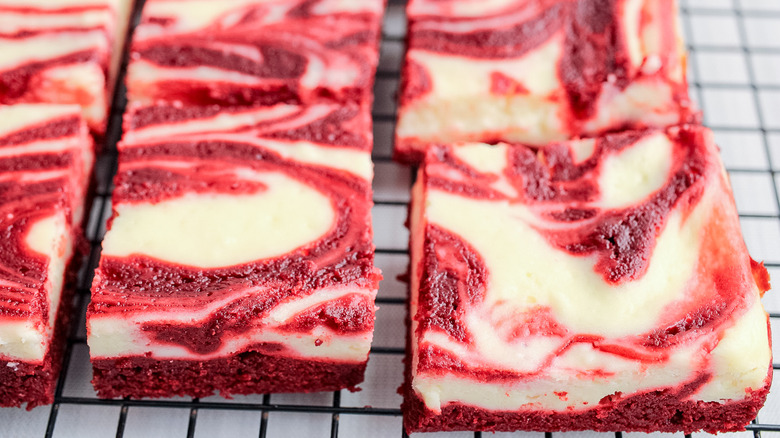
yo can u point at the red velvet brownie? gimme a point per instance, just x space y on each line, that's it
237 52
535 71
45 157
234 263
598 284
62 51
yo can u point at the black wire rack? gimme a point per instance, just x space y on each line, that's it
734 72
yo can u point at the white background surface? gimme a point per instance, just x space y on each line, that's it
734 71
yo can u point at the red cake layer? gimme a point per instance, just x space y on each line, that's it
245 373
658 411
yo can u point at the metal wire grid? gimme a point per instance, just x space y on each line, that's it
734 72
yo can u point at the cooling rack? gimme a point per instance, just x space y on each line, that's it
734 73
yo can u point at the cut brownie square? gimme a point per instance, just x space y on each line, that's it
45 161
62 52
238 52
233 264
536 71
599 284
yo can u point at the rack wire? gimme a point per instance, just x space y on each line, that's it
734 73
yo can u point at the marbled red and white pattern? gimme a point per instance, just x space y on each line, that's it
45 161
535 71
237 52
581 286
225 245
62 52
341 125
